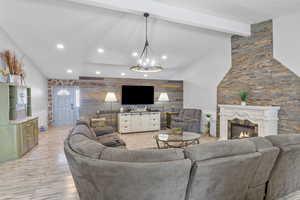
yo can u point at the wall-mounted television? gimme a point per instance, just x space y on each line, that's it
137 95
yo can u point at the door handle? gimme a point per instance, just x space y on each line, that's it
72 106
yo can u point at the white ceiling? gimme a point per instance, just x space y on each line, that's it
247 11
37 26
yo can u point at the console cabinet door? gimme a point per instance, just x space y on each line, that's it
139 122
136 123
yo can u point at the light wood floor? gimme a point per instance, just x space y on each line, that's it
43 174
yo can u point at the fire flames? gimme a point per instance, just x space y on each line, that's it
244 135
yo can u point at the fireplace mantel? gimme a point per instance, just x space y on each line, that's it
265 116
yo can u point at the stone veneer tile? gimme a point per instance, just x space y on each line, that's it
268 81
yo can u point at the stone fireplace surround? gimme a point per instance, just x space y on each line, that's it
266 117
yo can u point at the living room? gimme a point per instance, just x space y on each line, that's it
130 99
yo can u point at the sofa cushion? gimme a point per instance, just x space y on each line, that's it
285 176
219 149
104 180
284 139
85 146
226 178
260 142
99 131
151 155
267 160
84 130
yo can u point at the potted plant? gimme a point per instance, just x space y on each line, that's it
244 95
208 118
14 67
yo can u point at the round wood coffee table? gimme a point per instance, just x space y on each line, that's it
175 140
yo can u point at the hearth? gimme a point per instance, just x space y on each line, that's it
239 129
264 117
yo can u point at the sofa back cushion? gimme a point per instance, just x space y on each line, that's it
85 146
219 149
190 113
259 181
285 176
103 180
222 170
151 155
84 129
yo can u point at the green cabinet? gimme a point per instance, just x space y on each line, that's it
18 130
28 136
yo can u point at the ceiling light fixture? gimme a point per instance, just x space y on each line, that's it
69 71
123 74
97 72
164 57
60 46
146 62
100 50
145 75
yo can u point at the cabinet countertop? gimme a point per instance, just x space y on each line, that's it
19 121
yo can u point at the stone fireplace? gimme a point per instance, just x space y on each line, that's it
239 129
238 121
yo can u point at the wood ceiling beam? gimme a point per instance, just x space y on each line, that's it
172 14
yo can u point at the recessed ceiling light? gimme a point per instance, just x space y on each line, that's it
145 75
60 46
123 74
100 50
134 54
69 71
98 72
164 57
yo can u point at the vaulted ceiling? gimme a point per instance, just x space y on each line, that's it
38 26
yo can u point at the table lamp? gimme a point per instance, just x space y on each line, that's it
111 98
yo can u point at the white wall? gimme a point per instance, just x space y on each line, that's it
286 35
202 78
33 78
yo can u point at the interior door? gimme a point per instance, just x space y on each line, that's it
65 105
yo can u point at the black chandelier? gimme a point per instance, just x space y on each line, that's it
146 61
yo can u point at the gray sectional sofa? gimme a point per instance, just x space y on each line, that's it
248 169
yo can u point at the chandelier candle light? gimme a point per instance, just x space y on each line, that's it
146 62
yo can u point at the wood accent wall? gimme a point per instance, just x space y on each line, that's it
93 91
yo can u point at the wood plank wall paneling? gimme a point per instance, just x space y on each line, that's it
93 92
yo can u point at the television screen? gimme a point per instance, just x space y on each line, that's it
133 95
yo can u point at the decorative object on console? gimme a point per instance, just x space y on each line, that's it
111 98
147 62
244 97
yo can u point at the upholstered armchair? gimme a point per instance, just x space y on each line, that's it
188 120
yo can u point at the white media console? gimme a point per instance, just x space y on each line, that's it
138 122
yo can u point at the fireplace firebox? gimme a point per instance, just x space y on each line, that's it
239 129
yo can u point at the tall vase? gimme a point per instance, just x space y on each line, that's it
243 103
